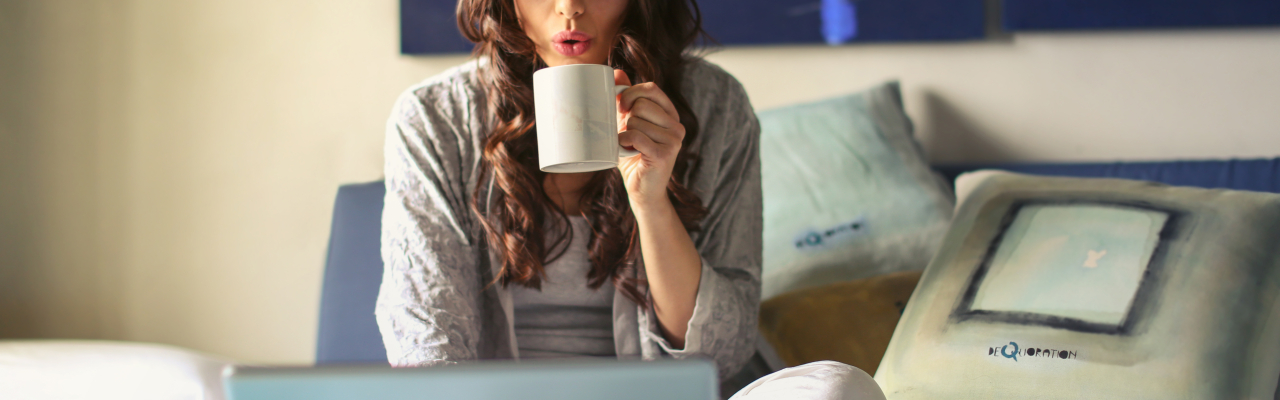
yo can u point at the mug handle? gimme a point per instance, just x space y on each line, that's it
622 151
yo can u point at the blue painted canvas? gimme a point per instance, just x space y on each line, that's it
1022 15
841 21
429 27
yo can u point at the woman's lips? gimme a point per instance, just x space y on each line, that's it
572 49
571 43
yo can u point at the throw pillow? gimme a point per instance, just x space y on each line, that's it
847 192
1068 288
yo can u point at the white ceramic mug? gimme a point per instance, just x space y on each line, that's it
576 114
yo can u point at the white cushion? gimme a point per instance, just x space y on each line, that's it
65 369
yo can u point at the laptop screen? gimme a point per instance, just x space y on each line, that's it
527 380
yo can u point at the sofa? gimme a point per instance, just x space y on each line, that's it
348 334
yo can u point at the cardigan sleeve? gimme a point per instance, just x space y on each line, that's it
428 307
723 326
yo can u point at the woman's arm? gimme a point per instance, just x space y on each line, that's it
672 267
428 306
721 321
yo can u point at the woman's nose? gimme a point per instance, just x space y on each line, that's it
570 8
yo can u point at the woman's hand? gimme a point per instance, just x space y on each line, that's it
673 268
650 124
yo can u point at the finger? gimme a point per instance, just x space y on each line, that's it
655 133
620 78
650 111
640 142
650 91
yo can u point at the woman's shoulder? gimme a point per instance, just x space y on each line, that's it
704 80
713 93
447 94
719 101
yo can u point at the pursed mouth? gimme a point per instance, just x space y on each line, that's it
571 43
570 37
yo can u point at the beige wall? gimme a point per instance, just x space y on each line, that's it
170 167
1055 97
167 169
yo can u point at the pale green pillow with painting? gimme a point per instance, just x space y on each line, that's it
847 192
1072 288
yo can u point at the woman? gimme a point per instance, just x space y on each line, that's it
488 257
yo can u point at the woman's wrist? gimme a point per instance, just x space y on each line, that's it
644 206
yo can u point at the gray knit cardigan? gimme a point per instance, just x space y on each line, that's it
434 305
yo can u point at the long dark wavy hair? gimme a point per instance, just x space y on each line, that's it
650 47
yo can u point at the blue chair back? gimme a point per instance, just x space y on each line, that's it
352 273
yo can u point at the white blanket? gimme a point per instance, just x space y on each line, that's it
819 380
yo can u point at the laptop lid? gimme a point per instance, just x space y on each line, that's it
526 380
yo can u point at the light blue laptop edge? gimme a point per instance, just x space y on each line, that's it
527 380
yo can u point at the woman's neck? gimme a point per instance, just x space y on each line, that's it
565 190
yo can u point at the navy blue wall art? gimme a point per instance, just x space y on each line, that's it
755 22
428 26
1028 15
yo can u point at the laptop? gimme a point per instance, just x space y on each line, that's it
579 379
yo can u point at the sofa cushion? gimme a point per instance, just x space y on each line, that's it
850 322
1094 288
847 192
86 369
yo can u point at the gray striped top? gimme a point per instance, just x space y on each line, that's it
566 318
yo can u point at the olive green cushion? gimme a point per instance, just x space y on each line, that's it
849 322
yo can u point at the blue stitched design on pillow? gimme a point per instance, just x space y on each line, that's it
843 232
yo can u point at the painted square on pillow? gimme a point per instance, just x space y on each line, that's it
1082 262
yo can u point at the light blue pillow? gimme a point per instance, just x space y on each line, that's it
847 192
